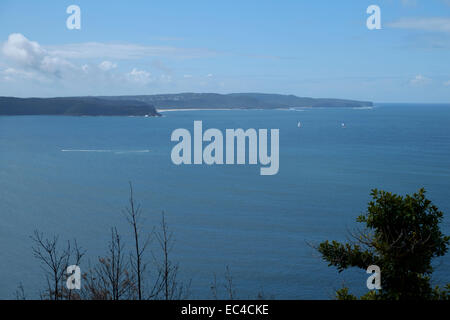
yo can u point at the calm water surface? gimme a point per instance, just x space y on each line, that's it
260 226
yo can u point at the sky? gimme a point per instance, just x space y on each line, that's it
318 48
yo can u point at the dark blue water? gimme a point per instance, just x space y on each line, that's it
260 226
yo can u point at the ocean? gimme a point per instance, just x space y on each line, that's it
69 176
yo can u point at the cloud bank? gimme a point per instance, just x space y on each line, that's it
88 65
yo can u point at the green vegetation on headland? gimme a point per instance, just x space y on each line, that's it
142 105
240 101
82 106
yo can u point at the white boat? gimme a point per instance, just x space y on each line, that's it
343 125
299 124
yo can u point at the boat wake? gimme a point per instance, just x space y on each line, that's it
362 108
106 151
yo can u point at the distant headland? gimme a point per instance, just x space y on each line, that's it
148 105
76 106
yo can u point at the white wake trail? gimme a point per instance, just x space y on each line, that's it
110 151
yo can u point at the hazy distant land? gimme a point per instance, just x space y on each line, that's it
142 105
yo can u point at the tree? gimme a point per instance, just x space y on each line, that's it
401 236
133 216
55 260
170 287
110 279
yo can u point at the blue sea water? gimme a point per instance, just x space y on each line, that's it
262 227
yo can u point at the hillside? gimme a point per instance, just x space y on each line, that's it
141 105
239 100
75 107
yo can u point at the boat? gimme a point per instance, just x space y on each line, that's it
299 124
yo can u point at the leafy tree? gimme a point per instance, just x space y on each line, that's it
401 236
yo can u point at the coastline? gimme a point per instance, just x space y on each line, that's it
198 109
214 109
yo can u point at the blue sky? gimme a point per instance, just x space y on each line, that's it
307 48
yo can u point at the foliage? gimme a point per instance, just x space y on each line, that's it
401 236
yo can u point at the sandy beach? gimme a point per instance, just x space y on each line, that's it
172 110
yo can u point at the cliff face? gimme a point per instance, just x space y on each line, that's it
75 107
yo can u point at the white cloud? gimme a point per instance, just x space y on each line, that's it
139 76
23 51
55 65
107 65
425 24
30 55
419 80
74 69
13 75
27 60
209 75
118 51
